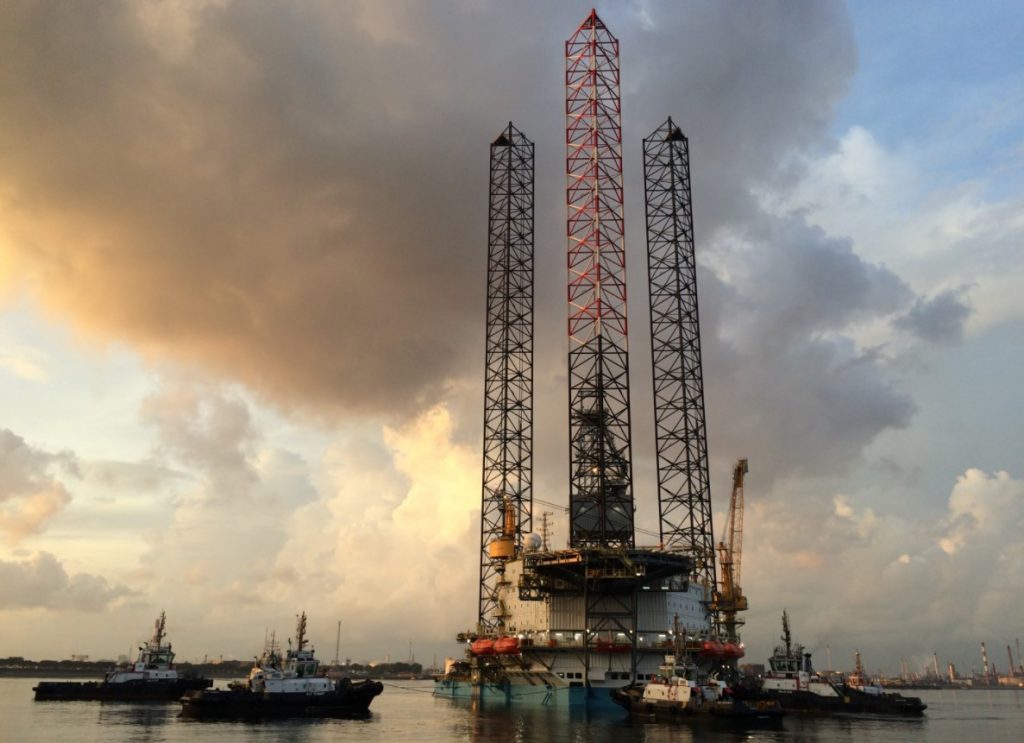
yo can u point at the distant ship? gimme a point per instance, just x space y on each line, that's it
152 677
793 682
292 688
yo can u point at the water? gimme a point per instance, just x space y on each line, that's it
407 712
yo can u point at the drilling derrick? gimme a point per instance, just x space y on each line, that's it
600 471
508 384
684 490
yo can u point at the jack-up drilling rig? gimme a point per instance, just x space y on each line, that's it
568 625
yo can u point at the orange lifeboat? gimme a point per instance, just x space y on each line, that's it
483 646
732 650
506 646
712 649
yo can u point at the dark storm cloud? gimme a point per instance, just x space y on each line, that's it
939 319
795 394
293 196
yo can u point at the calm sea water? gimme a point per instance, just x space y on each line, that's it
407 712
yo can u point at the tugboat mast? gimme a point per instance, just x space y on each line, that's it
158 630
787 638
300 633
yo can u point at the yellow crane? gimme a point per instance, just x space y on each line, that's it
729 598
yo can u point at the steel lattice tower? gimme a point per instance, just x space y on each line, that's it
600 471
508 383
684 491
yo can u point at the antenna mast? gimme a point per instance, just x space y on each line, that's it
337 644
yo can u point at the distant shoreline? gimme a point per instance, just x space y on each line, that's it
85 673
232 669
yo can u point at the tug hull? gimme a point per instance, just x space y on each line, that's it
127 691
348 699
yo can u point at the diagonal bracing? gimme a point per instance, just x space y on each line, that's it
507 499
684 492
600 471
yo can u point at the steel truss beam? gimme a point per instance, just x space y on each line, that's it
508 381
684 490
600 471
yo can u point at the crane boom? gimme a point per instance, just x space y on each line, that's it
729 598
735 523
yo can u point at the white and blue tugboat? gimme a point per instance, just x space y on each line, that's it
683 692
793 682
294 687
151 678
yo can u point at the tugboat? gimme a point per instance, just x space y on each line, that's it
293 688
793 682
152 678
677 694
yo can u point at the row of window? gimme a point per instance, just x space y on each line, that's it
612 675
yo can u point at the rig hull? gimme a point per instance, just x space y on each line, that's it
540 694
634 602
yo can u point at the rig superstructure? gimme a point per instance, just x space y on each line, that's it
568 625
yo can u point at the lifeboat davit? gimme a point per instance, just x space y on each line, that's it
732 650
483 646
506 646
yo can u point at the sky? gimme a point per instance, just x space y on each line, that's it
242 263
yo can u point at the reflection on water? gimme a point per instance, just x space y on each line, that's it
143 716
410 713
498 724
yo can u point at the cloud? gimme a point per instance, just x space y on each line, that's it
903 206
982 508
31 494
230 508
41 581
24 363
780 353
388 520
939 319
953 577
290 197
204 429
395 536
